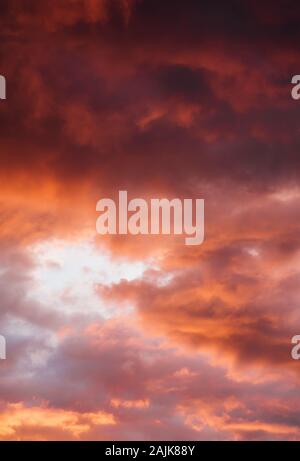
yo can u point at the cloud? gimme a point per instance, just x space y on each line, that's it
35 422
162 99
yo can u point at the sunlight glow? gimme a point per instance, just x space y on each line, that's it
66 274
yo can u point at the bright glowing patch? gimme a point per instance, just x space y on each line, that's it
66 274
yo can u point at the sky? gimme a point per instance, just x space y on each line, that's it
143 337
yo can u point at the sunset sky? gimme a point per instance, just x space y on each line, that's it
144 337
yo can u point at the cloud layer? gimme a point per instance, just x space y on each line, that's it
142 337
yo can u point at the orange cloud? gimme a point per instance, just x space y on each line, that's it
17 419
